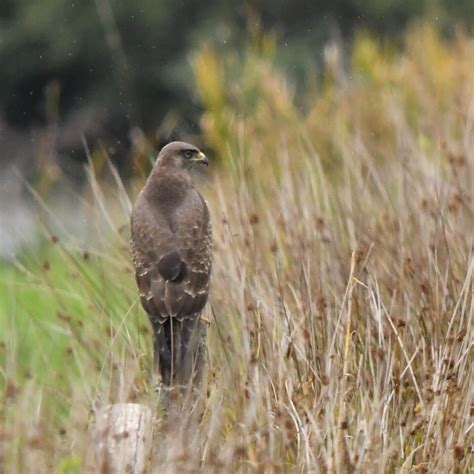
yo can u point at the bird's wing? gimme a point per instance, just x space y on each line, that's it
155 256
191 223
172 258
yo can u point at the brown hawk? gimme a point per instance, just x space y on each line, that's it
171 244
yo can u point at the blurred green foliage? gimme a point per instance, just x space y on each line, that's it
131 60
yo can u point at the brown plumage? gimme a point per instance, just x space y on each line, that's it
171 244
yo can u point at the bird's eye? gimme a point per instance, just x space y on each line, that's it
188 153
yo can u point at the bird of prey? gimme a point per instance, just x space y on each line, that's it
171 245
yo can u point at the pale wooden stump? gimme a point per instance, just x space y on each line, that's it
122 436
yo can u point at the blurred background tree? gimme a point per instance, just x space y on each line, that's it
98 69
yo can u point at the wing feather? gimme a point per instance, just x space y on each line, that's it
172 267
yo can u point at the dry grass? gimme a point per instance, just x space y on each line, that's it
343 288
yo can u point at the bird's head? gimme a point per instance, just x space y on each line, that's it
181 155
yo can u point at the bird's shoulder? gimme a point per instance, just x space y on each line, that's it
151 236
187 218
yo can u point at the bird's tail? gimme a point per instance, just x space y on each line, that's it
180 350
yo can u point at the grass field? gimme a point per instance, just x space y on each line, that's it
342 305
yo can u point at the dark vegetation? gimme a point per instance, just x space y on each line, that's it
99 69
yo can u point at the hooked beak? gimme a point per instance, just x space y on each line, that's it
201 158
